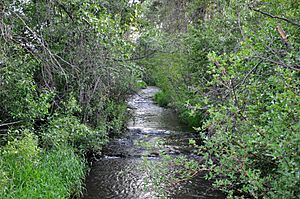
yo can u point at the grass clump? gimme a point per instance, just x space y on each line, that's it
162 99
141 84
27 171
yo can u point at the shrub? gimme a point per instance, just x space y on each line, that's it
117 117
67 130
20 97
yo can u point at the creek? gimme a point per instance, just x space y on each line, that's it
118 174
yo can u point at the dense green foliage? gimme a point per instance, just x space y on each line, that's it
28 171
231 69
65 72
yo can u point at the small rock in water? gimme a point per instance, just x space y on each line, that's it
111 157
154 154
175 152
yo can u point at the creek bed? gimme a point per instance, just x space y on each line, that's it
118 174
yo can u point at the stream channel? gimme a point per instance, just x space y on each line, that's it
118 174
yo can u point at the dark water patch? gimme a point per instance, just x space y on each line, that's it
117 178
196 187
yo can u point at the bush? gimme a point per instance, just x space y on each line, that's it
117 117
20 97
255 128
66 130
191 119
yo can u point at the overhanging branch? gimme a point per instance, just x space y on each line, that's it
275 17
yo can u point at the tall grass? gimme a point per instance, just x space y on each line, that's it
27 171
162 99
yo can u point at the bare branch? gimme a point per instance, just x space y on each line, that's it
248 74
283 36
10 123
276 17
42 43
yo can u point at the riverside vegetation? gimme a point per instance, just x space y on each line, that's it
63 82
231 68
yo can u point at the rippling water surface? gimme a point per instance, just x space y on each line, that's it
118 174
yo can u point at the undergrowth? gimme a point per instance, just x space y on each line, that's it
28 171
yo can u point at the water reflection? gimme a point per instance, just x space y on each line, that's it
118 173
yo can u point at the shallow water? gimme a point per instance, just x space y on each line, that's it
118 173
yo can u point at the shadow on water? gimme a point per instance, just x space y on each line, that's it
117 175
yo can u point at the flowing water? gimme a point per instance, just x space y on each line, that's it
118 174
